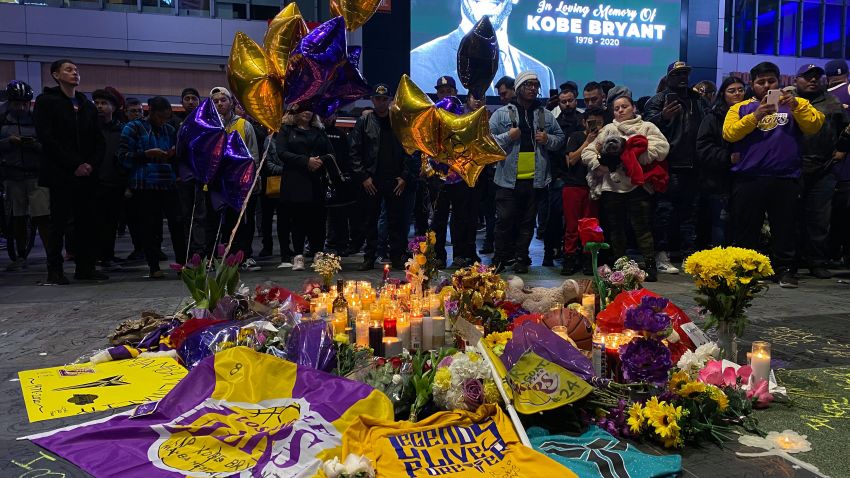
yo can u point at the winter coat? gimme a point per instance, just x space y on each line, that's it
364 142
112 173
817 149
294 148
22 160
714 153
681 130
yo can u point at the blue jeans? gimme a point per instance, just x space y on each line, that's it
675 225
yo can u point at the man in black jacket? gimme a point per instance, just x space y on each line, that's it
113 179
384 170
67 126
678 112
341 222
820 152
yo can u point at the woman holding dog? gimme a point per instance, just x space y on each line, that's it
625 169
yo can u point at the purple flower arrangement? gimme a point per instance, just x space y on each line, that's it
646 359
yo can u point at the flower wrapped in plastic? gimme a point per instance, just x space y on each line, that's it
463 382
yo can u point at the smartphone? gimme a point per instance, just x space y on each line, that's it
772 97
671 98
593 125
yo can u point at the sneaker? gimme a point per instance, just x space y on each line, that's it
298 263
56 279
18 264
93 276
251 265
787 280
652 269
136 256
548 260
460 263
156 275
110 266
284 265
664 265
568 265
816 272
265 253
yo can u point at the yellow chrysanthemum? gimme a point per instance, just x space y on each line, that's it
491 392
443 378
678 379
719 397
692 389
421 259
341 338
498 338
473 357
636 418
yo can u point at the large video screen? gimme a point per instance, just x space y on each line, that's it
629 42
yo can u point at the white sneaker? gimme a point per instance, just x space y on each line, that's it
250 265
284 265
664 265
298 263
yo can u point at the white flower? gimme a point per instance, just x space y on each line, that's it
396 379
355 464
708 351
333 468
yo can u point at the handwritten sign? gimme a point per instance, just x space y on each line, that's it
76 389
467 331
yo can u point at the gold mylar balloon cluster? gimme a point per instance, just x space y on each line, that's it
355 12
256 74
463 142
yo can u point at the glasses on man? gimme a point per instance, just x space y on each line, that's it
531 85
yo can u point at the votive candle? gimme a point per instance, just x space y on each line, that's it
427 333
403 329
390 322
376 337
363 329
439 337
434 303
760 361
416 331
392 346
588 306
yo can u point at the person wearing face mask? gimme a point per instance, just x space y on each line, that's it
768 136
820 152
714 158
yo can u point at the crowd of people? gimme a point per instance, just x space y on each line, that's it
754 164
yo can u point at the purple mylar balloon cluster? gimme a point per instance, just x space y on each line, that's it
218 160
323 71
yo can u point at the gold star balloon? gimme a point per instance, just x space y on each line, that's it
355 12
256 74
463 142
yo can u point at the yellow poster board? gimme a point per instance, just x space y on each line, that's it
85 388
540 385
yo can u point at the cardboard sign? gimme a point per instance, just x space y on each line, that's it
76 389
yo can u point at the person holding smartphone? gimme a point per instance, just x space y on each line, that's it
766 179
147 151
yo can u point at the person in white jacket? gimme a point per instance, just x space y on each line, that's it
619 197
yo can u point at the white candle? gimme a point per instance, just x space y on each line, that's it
416 331
403 330
439 331
392 346
760 361
363 329
427 333
434 304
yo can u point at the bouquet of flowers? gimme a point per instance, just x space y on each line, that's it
727 280
734 382
392 376
349 357
354 466
327 266
422 265
463 382
207 289
497 341
476 291
646 359
626 275
692 362
422 378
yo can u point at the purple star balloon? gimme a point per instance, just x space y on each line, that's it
315 61
236 174
452 104
478 58
201 142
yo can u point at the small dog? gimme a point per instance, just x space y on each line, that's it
612 149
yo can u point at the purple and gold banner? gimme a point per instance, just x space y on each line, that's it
238 413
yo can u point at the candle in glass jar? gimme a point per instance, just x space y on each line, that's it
392 346
416 331
760 361
362 330
355 305
376 337
588 306
439 338
386 273
427 333
403 329
612 357
390 323
434 302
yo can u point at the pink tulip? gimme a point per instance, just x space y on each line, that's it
760 394
176 267
744 373
712 373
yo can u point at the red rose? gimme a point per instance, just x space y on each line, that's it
381 361
589 231
396 362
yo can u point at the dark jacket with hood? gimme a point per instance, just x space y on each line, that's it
714 153
112 173
23 160
365 141
681 130
817 149
294 147
70 135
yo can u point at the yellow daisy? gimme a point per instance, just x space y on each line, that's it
678 379
636 418
692 389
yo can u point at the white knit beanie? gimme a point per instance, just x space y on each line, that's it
523 77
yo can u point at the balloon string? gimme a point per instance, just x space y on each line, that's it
217 236
247 199
191 223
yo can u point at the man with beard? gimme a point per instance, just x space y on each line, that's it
819 152
439 56
677 111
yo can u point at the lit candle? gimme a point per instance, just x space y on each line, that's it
376 312
588 306
355 305
386 273
376 336
434 303
392 346
612 357
427 333
390 322
403 329
416 331
760 361
439 338
363 329
340 321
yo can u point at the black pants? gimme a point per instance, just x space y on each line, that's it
422 207
460 202
244 240
80 203
157 204
341 227
553 240
488 202
635 207
307 221
268 208
675 222
815 214
516 210
840 230
752 197
193 211
111 201
397 222
133 218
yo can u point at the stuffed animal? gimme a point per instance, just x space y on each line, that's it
542 299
